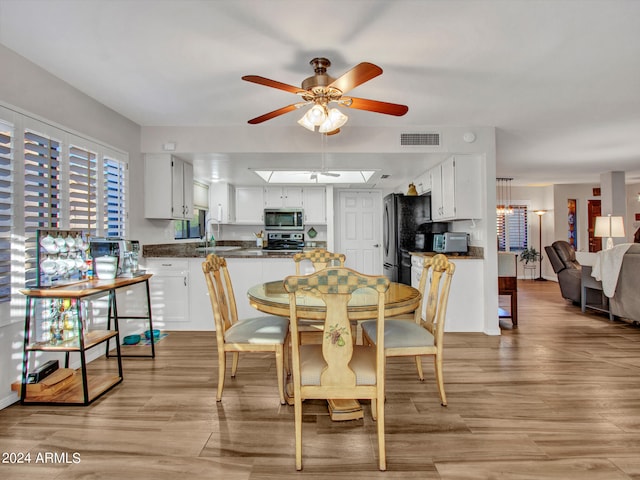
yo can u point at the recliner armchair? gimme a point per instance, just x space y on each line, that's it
563 260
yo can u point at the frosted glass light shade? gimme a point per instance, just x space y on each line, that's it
335 120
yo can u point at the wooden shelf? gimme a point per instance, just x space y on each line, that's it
91 339
72 393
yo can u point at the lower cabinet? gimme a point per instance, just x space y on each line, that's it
247 272
179 293
466 303
169 290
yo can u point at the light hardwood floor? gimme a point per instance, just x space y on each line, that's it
559 398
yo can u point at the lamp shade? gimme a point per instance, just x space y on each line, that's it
609 227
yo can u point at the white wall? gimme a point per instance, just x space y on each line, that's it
32 89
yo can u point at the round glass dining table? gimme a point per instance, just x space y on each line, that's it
272 298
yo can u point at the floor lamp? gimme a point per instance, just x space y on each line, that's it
540 213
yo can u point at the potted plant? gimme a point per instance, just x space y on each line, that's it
529 255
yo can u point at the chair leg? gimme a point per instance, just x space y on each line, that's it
298 423
234 364
280 368
419 367
382 463
437 361
222 368
374 409
287 354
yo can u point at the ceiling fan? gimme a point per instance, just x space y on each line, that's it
314 175
320 90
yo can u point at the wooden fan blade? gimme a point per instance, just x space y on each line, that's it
363 72
275 113
272 83
376 106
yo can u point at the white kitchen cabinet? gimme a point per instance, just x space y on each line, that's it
247 272
423 183
168 187
314 203
169 290
466 301
456 189
279 197
250 205
222 203
200 312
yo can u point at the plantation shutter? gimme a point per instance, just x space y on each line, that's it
41 192
82 190
6 209
114 173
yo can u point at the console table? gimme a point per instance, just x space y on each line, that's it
590 286
62 326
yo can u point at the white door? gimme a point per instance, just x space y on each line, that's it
360 235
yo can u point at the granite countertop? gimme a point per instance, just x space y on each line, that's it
227 249
475 253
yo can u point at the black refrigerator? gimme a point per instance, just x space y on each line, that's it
407 227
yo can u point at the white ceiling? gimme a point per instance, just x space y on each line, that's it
559 79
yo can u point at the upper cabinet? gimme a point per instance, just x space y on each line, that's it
222 202
250 205
314 203
423 183
456 189
278 197
168 187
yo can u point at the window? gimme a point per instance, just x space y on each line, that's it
6 212
195 227
41 192
82 190
54 179
114 172
512 229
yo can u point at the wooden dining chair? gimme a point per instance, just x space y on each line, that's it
337 369
266 333
320 258
425 334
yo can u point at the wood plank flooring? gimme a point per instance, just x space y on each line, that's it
557 398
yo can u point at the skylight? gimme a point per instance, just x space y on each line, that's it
315 176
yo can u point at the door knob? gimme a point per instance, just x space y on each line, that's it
376 245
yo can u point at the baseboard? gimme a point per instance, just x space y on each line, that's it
9 400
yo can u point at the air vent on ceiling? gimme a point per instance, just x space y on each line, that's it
420 139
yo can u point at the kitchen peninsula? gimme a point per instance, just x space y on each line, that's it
181 299
178 277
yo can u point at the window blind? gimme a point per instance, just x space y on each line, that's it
82 190
6 209
114 174
41 192
512 229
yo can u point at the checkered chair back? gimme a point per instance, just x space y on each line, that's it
320 258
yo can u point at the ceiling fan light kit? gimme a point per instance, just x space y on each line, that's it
321 89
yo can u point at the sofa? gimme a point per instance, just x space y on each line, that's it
626 301
562 257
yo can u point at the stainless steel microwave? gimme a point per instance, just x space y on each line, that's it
283 219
